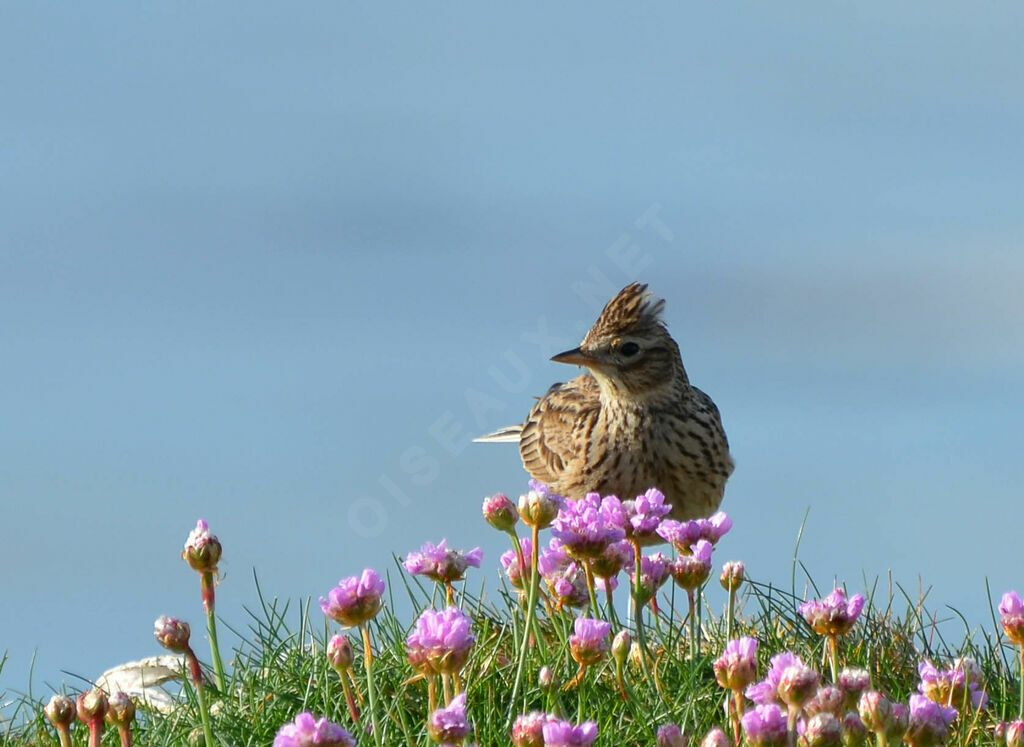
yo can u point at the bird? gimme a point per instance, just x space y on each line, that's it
631 422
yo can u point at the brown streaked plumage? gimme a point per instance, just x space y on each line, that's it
632 422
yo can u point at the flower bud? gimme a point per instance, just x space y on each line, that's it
546 679
621 644
716 738
853 681
60 710
733 573
500 512
92 705
855 733
202 549
670 735
823 730
1015 734
172 633
828 699
121 709
528 729
899 722
539 509
798 685
339 653
875 711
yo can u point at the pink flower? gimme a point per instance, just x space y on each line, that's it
833 615
528 729
172 633
875 711
823 729
441 564
517 576
500 512
306 731
670 735
614 558
355 600
654 570
797 685
716 738
584 529
589 642
947 686
644 515
202 550
929 721
1011 607
737 666
692 571
449 725
767 691
684 534
440 641
540 506
765 726
559 733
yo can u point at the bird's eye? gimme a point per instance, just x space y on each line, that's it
629 349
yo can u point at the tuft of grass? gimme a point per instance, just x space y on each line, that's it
279 668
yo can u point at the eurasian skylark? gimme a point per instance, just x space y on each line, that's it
632 422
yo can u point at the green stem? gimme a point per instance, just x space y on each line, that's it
638 611
612 617
590 590
832 655
65 735
370 687
1020 713
207 585
204 710
693 624
728 621
531 611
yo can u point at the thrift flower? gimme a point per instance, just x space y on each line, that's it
559 733
500 512
765 726
584 529
733 573
737 666
900 721
339 653
875 711
60 710
853 681
441 564
684 534
539 507
440 641
613 558
1014 734
92 707
644 515
670 735
833 615
855 733
121 709
589 642
716 738
1011 608
823 730
202 549
767 691
929 721
172 633
528 729
654 570
307 731
518 577
356 599
828 699
564 577
948 686
691 571
797 685
449 725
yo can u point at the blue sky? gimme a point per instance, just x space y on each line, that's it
274 265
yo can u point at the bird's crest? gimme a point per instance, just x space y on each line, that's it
634 309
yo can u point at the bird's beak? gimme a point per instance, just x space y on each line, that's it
575 356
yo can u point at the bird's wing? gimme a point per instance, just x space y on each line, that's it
549 443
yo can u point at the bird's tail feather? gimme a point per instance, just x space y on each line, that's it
508 434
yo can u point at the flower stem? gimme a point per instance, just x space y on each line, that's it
1020 713
207 586
590 590
531 611
65 735
611 606
125 733
737 714
693 624
353 709
728 620
370 687
638 611
197 680
833 652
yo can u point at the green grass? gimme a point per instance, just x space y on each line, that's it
278 667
